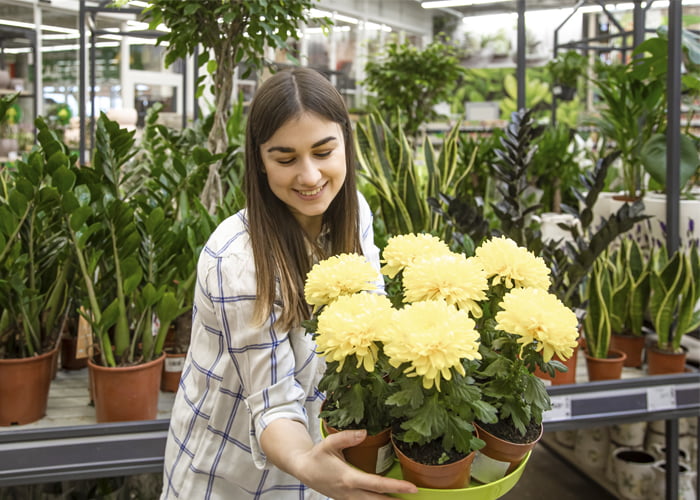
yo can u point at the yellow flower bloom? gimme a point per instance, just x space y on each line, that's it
453 277
343 274
535 315
433 338
505 261
351 326
402 250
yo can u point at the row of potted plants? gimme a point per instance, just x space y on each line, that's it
627 287
111 245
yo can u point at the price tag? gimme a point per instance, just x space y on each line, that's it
561 409
661 397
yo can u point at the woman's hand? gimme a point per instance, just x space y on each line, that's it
322 466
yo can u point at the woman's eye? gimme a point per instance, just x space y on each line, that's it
285 161
324 154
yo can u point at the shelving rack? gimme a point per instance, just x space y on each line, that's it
40 455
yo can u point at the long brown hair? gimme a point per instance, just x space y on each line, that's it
280 245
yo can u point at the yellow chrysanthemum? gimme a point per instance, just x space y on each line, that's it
535 315
514 266
453 277
434 338
344 274
402 250
351 326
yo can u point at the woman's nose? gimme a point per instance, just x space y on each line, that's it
309 173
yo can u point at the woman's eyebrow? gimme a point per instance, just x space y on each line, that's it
286 149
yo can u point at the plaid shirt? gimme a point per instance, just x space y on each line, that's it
238 378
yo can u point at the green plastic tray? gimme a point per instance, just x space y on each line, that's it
475 491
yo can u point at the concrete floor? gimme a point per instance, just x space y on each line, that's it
548 476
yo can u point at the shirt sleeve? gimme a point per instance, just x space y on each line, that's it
369 249
263 358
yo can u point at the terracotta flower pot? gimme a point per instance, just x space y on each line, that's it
609 368
374 454
499 457
24 388
172 371
126 393
661 362
68 359
631 345
450 476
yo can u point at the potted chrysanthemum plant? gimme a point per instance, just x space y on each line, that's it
522 327
504 288
433 347
349 323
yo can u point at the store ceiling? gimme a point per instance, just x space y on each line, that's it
64 14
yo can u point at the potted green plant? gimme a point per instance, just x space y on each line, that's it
603 362
653 63
399 184
630 282
34 282
675 292
413 80
565 71
122 247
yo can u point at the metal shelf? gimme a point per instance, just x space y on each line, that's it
29 456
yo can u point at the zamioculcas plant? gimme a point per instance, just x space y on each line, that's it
121 247
675 292
35 273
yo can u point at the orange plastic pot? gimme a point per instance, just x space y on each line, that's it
609 368
24 388
503 456
662 362
172 371
373 454
126 393
450 476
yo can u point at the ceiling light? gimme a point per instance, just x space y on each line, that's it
44 27
439 4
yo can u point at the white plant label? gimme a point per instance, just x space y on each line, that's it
486 469
385 458
661 397
561 409
174 364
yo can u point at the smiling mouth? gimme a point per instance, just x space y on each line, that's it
312 192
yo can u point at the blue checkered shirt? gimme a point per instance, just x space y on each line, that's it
238 378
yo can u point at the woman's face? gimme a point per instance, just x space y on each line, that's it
305 166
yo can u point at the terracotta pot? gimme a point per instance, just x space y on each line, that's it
68 359
126 393
172 370
499 457
442 477
631 345
374 454
24 388
561 378
660 362
609 368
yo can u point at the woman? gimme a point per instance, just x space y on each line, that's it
245 419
